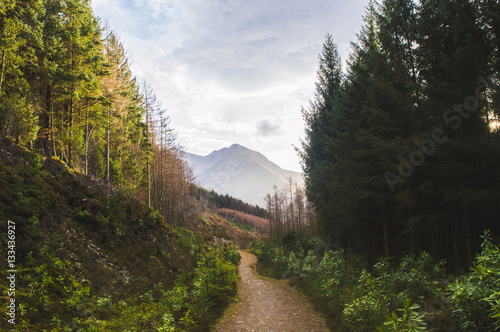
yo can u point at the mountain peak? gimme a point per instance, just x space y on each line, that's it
242 149
237 146
240 172
233 148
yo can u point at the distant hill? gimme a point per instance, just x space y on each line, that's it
240 172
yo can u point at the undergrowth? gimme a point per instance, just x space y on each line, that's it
92 258
406 294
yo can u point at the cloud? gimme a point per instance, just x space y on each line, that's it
267 129
232 71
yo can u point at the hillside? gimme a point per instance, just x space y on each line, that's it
240 172
99 259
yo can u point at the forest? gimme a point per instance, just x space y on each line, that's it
289 210
400 157
67 91
214 201
94 181
401 153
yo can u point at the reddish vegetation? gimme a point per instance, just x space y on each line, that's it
261 224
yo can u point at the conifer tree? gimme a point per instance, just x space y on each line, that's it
49 57
454 58
357 163
402 157
120 93
81 41
20 31
65 83
319 128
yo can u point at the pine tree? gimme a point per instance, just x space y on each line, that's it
150 106
122 114
20 31
81 54
490 23
49 56
359 227
454 53
319 128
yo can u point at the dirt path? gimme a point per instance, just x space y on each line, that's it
268 305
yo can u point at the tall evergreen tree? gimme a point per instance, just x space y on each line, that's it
49 58
401 155
81 41
20 31
358 169
454 54
316 162
490 23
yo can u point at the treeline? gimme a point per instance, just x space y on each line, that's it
67 91
168 174
401 152
245 221
215 201
288 210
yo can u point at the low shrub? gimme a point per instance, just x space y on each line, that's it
214 286
386 297
476 295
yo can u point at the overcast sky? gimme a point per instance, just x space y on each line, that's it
233 71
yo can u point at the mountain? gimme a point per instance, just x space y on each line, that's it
240 172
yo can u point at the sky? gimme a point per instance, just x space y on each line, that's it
233 71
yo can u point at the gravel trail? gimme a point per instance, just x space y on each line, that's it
268 305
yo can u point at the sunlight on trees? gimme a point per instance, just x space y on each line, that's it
67 91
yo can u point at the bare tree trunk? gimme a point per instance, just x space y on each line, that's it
45 119
107 146
467 237
148 162
87 139
290 188
2 73
53 139
385 227
70 130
